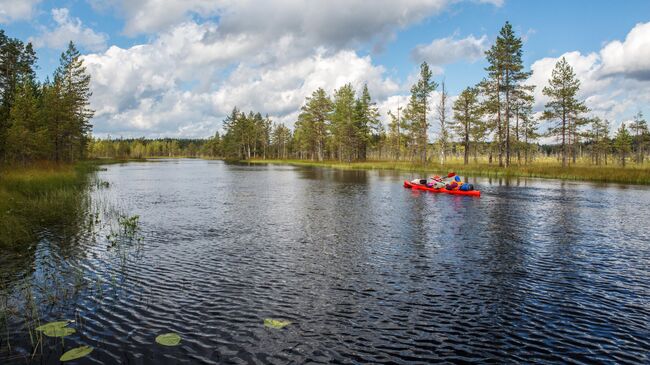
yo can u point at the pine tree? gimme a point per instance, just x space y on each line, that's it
505 76
562 90
640 128
599 140
396 136
314 121
467 115
623 143
443 135
367 123
343 127
416 111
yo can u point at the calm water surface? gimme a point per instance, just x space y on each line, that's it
367 271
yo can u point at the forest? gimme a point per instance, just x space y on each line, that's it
491 122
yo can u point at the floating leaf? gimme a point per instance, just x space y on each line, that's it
59 331
276 323
76 353
57 324
169 339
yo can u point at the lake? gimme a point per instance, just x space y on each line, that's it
366 271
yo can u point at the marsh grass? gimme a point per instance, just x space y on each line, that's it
37 196
546 168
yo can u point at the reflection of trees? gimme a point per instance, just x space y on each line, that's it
38 274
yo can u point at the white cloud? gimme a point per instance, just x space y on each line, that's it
614 82
69 29
175 85
630 58
12 10
332 23
449 50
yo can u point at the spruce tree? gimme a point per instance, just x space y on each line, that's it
74 83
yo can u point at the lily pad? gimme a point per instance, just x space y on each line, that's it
169 339
59 331
76 353
276 323
51 325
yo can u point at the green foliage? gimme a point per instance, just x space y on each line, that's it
76 353
52 325
48 121
623 143
563 107
39 196
467 120
169 339
416 112
276 323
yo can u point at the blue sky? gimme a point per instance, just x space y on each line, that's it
174 68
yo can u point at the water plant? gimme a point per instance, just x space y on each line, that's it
56 329
169 339
276 323
76 353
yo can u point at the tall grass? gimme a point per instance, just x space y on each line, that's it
37 196
547 168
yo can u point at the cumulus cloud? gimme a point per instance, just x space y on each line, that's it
615 81
178 84
69 29
630 58
12 10
335 22
449 50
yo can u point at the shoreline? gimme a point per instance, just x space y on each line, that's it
602 174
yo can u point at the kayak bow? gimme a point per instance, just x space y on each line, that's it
408 184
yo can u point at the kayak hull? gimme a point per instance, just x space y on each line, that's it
408 184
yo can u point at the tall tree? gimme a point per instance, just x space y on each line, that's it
314 121
640 128
522 101
396 136
367 123
74 83
467 115
343 127
416 111
510 51
26 138
563 104
443 137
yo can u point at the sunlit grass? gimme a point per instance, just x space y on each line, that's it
39 195
544 168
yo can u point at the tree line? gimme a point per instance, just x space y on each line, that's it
493 118
42 121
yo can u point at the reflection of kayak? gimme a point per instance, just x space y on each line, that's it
410 185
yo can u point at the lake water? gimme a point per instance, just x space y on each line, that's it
367 271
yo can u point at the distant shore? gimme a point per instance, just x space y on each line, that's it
547 170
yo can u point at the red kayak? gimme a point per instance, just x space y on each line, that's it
408 184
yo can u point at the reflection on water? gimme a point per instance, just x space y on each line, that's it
367 271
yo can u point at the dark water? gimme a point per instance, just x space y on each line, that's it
368 272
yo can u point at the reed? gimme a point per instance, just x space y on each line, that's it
39 195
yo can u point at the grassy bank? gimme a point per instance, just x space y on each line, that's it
42 195
542 169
